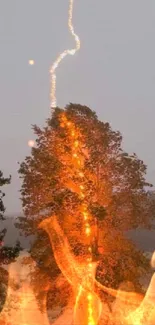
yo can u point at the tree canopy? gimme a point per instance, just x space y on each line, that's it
116 190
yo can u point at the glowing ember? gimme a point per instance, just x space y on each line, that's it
31 143
31 62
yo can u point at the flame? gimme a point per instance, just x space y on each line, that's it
63 55
20 305
129 308
86 307
21 308
145 313
79 274
77 162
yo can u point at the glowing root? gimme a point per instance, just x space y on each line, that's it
63 55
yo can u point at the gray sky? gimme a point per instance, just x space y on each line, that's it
114 73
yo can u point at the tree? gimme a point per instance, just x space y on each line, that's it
7 253
115 192
3 181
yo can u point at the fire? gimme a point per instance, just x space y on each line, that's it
87 308
129 308
80 274
21 305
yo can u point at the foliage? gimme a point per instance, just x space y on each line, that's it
7 253
116 192
3 181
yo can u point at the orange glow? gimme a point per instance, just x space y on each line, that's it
89 259
21 307
76 146
79 276
87 312
129 308
88 231
76 143
72 133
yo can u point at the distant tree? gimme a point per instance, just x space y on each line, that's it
7 253
151 198
116 194
3 181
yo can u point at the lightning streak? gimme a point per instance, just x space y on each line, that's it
63 55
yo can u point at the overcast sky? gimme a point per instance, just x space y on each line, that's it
114 73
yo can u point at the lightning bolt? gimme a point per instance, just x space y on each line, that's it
63 55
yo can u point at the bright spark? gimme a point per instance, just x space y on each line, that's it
63 55
31 143
31 62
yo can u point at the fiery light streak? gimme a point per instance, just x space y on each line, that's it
77 147
63 55
79 274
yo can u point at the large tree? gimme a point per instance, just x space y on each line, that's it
115 193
